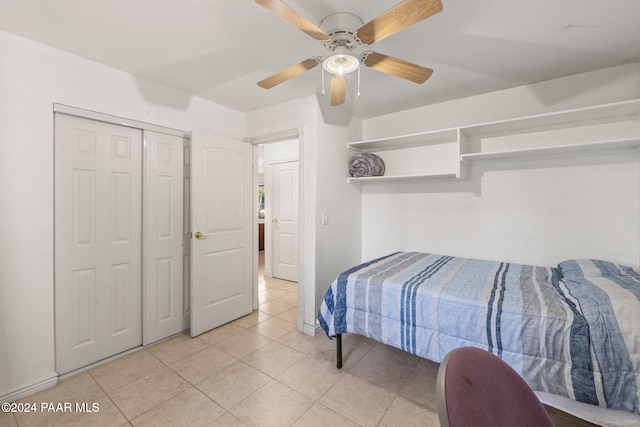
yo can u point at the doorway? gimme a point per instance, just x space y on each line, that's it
281 149
279 195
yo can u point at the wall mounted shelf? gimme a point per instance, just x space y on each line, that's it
461 146
614 146
399 178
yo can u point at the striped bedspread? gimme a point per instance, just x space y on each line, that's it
573 330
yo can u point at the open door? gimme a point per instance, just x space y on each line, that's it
222 224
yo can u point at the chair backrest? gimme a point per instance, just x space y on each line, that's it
476 388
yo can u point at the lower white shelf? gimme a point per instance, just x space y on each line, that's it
400 178
612 146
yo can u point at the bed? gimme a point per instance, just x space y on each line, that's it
571 331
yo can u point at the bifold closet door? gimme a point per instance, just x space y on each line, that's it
98 243
166 307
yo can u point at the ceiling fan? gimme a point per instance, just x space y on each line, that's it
341 32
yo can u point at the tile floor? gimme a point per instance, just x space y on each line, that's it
255 371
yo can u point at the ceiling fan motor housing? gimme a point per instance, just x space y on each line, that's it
341 26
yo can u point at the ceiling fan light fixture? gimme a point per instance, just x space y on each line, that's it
341 64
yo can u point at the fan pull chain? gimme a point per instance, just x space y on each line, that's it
358 82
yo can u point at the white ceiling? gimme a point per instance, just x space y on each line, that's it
219 49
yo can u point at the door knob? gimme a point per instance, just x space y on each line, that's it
274 220
200 235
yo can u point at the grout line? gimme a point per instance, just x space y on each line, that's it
107 395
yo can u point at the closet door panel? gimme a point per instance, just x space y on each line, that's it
98 224
164 253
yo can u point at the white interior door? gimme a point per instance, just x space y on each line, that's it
222 223
285 220
98 245
163 237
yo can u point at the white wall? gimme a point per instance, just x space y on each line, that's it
329 249
32 78
338 243
528 211
293 115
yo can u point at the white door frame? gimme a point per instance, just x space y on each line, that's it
299 134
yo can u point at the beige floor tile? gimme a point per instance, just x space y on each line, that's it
78 388
227 420
222 332
273 358
301 342
428 364
273 405
404 412
35 417
358 400
290 298
421 386
198 366
176 348
273 328
234 383
96 412
311 377
290 315
7 419
283 284
353 348
389 350
386 369
125 370
189 408
252 319
321 416
242 344
71 403
275 307
270 294
141 395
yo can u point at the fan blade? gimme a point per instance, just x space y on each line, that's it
399 17
338 89
288 14
396 67
289 72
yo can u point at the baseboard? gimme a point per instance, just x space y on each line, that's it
35 386
312 330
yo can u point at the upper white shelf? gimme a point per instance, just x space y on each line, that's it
406 141
618 111
613 146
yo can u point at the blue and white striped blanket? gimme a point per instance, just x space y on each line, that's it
573 330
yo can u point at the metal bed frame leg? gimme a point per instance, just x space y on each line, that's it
339 351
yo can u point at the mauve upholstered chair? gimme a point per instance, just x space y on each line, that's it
475 388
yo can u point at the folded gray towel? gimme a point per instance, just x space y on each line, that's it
366 164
